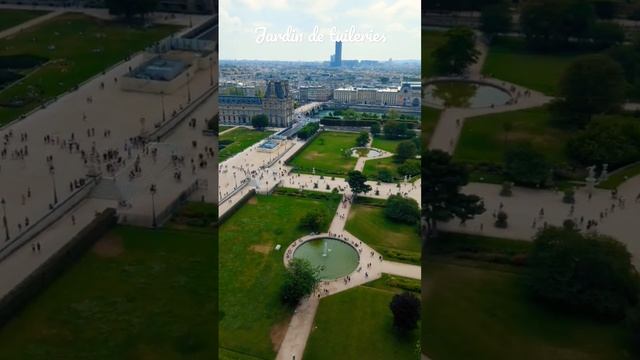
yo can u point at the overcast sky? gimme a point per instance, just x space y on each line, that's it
387 29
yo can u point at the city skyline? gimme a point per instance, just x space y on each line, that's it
301 30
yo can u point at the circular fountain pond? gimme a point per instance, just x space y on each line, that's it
365 152
333 257
464 94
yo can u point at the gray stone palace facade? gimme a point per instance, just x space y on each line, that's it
277 104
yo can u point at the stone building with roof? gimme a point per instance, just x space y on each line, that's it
277 104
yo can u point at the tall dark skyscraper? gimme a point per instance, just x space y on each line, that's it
336 59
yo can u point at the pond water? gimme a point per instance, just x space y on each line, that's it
333 257
464 94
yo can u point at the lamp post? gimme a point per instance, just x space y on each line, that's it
188 87
52 172
4 220
153 191
164 116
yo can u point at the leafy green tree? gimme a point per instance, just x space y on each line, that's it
362 139
592 84
457 53
395 130
314 221
401 209
495 19
405 150
605 140
358 182
526 166
260 121
406 311
442 199
410 168
385 176
308 130
375 128
300 281
589 274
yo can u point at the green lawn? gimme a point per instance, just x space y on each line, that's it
74 59
326 154
138 294
10 18
252 272
398 241
617 178
477 313
510 60
242 138
430 118
483 139
385 144
373 167
357 324
430 41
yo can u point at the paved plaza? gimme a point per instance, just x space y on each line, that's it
97 129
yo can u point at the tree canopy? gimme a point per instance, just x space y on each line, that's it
592 84
300 280
401 209
406 311
526 166
357 182
362 139
457 53
606 140
314 220
590 274
405 150
260 121
442 199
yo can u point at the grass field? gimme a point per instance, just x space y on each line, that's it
491 311
10 18
357 324
252 318
430 118
242 138
326 154
617 178
510 60
373 167
138 294
385 144
483 139
84 46
369 224
430 41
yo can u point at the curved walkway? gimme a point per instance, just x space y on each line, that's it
523 208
